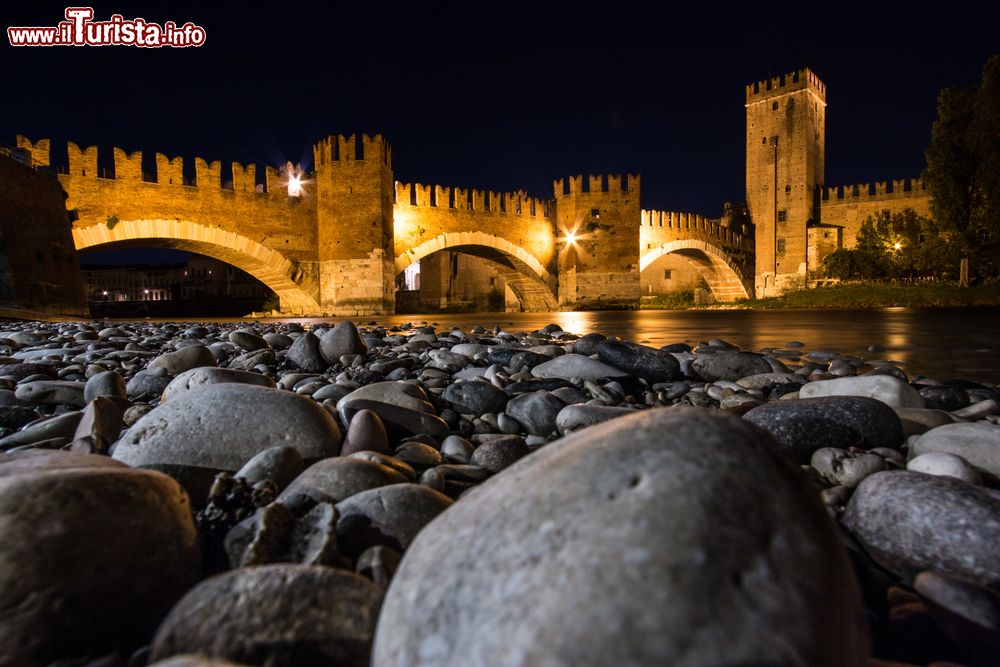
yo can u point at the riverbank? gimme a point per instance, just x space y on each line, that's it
938 295
308 465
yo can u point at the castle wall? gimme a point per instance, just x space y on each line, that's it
271 218
39 270
848 207
600 268
424 212
670 273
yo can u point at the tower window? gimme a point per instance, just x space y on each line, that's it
782 215
667 274
595 213
781 247
774 106
788 188
764 141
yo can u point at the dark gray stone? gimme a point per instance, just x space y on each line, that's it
340 340
336 479
146 385
389 516
106 383
587 344
280 465
475 397
63 426
729 365
94 555
575 417
275 615
499 453
805 425
645 362
305 354
184 359
365 433
411 421
619 545
51 392
535 412
909 522
247 339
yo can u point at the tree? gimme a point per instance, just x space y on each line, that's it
901 245
963 168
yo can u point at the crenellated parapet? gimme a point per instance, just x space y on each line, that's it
461 199
38 151
802 79
877 191
594 184
340 150
659 227
82 171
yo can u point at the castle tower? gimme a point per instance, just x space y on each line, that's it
597 223
786 123
354 224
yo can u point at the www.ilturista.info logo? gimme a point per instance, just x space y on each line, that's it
79 29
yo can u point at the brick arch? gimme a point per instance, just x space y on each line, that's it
268 266
721 271
522 271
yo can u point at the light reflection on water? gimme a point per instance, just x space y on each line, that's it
944 343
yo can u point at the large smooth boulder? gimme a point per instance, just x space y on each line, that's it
220 427
674 537
806 425
910 521
93 554
977 442
275 615
197 377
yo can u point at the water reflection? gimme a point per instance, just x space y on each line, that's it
944 343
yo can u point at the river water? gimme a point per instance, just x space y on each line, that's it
943 343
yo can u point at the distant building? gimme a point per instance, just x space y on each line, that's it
198 279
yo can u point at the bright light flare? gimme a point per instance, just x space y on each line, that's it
898 246
294 185
570 238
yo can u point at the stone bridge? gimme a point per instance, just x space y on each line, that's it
336 246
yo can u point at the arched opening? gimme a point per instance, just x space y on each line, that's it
679 266
162 282
473 271
284 278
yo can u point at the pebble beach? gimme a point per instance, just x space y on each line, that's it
274 494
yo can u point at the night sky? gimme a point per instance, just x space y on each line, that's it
500 96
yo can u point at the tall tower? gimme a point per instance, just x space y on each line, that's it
354 230
786 124
598 220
